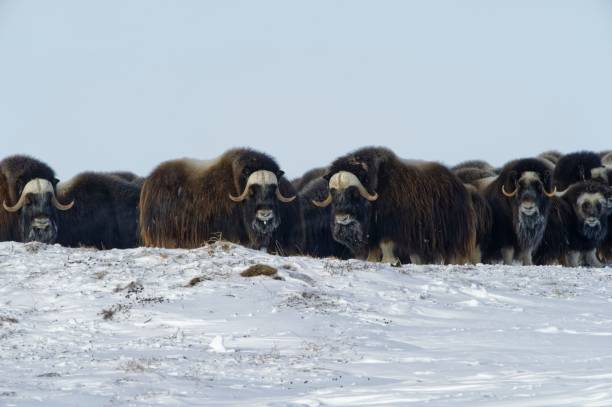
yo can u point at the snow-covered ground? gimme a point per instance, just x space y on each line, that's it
81 327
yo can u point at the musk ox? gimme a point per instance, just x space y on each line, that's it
519 198
577 225
29 203
105 213
318 239
406 210
240 196
576 167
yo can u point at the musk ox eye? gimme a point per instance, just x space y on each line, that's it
586 206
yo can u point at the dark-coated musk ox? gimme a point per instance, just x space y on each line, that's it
405 210
29 203
105 213
576 167
318 239
519 198
241 197
577 226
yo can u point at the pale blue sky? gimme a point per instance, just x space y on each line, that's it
124 85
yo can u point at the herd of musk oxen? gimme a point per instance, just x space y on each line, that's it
368 204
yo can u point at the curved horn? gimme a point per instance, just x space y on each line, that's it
551 194
511 194
240 197
60 206
15 207
323 203
345 179
561 193
34 186
282 198
261 177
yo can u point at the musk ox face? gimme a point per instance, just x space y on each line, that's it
350 212
530 202
590 204
260 206
37 210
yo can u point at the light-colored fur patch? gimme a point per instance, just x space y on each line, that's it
592 198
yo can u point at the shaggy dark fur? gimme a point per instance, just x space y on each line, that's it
484 221
567 229
105 213
555 242
186 204
318 240
127 176
15 172
518 222
551 156
421 207
575 167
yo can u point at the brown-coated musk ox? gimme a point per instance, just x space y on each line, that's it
519 198
240 196
29 204
577 226
318 239
576 167
105 213
409 211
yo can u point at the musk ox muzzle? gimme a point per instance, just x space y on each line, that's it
261 177
37 186
343 180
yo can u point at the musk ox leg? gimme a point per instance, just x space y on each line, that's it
388 253
508 255
476 257
374 255
526 257
573 258
592 259
416 259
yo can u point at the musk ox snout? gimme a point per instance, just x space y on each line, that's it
264 215
344 219
592 222
42 229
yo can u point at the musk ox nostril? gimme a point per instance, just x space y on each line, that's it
265 215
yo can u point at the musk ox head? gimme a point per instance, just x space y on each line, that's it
589 200
37 209
527 185
258 180
351 201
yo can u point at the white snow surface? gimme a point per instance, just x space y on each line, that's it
324 333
